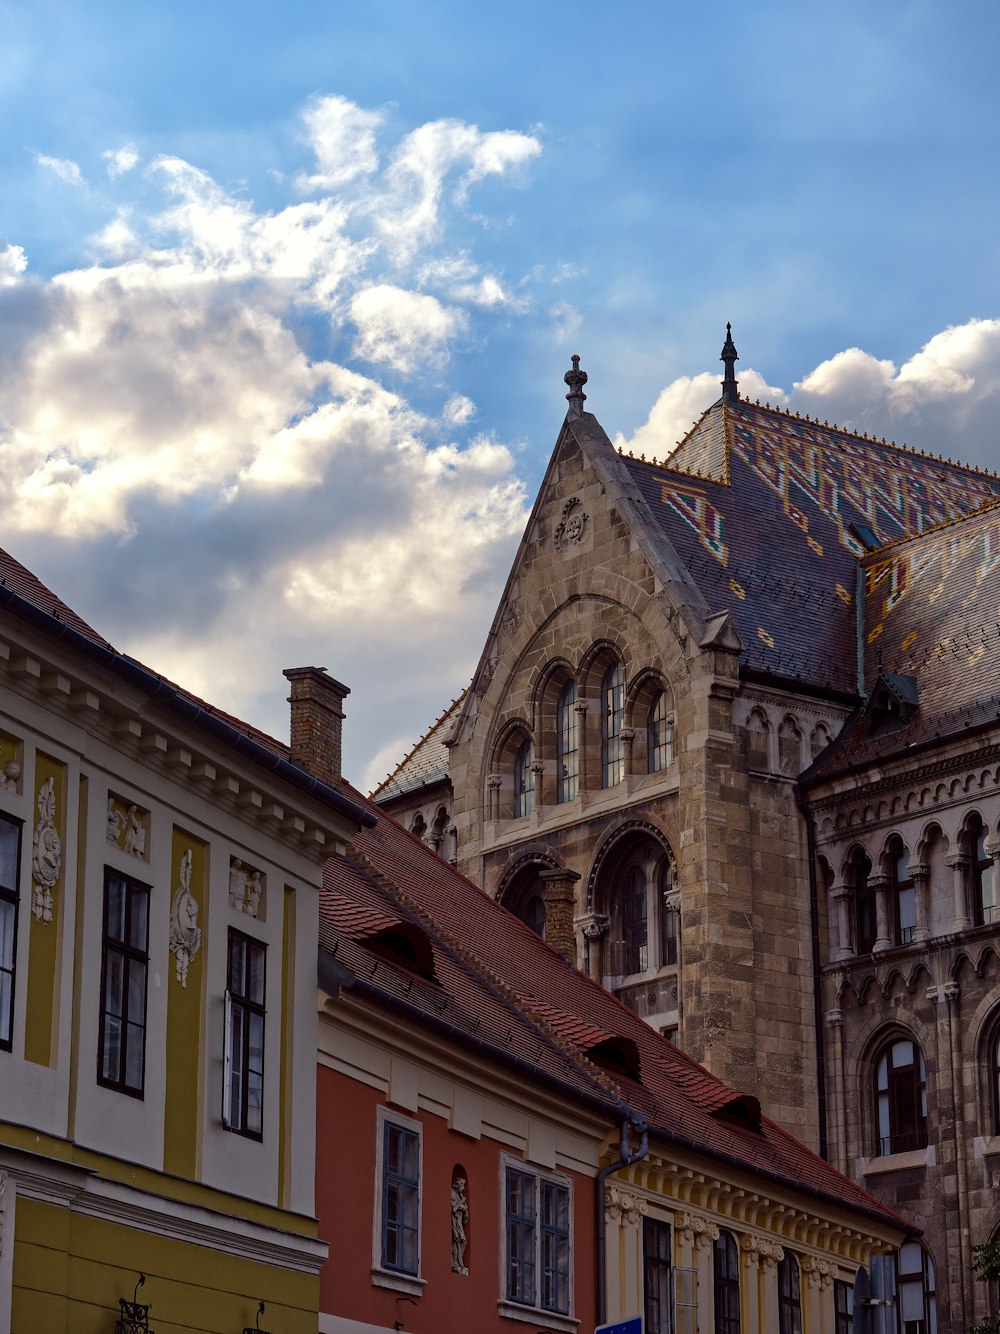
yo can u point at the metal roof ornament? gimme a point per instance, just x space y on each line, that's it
576 379
730 392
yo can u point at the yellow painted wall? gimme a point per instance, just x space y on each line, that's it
44 938
186 1025
287 1032
70 1271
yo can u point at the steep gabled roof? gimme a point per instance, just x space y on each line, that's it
426 763
761 504
503 988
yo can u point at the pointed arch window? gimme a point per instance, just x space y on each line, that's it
726 1281
901 1097
982 875
993 1063
660 734
916 1290
567 744
669 919
865 914
904 895
524 781
634 931
613 695
758 741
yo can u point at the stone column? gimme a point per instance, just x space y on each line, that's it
537 768
881 885
835 1069
493 785
950 993
762 1258
957 864
585 778
560 898
842 896
593 927
627 735
817 1280
921 875
696 1235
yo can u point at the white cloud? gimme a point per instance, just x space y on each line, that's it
13 263
459 410
121 160
681 403
343 138
402 328
62 167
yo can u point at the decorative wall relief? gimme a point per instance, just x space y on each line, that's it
459 1223
571 527
127 826
185 933
623 1207
246 889
46 853
10 763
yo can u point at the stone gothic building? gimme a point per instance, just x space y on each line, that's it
733 745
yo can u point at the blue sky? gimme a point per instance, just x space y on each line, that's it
288 293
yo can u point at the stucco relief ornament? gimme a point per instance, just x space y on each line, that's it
694 1228
46 853
135 834
11 773
761 1251
114 831
622 1207
185 933
459 1223
571 527
819 1273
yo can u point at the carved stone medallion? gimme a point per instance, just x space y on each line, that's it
572 526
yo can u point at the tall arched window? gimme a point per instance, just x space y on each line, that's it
789 1296
524 781
865 915
659 734
789 748
634 926
901 1097
669 919
613 697
726 1281
904 894
916 1290
758 740
981 874
992 1055
567 744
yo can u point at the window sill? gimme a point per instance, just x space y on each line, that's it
533 1315
899 1162
388 1278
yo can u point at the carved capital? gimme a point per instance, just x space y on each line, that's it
697 1230
879 882
581 706
918 871
842 892
991 845
819 1273
537 767
761 1250
493 782
951 991
627 735
834 1017
623 1207
672 900
594 925
956 862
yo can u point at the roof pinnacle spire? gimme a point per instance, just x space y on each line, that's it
576 379
730 391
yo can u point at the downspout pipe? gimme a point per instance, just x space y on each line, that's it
626 1157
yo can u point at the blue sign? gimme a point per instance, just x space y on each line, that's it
633 1326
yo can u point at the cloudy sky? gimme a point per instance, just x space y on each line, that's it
287 293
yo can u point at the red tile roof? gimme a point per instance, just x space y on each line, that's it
502 986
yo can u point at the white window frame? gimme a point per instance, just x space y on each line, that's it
534 1315
412 1284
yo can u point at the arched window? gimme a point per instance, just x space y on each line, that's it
901 1097
660 734
633 926
612 753
758 741
904 894
789 748
726 1281
567 744
789 1296
419 825
532 913
981 875
916 1290
819 740
992 1055
524 781
524 896
865 915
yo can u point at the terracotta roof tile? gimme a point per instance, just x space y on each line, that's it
426 763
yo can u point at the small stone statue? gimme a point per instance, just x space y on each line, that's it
135 834
255 887
114 822
46 853
185 933
459 1223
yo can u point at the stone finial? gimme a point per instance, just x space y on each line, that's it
576 379
317 702
730 384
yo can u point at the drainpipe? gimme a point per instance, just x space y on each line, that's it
626 1157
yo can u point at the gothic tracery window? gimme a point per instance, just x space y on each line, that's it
567 744
613 709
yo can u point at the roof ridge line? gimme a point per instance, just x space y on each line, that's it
724 480
416 746
972 468
992 503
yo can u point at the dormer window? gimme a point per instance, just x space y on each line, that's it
406 946
618 1056
892 703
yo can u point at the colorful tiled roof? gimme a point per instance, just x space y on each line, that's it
932 613
759 504
500 985
426 763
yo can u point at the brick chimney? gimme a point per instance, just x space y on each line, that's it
317 702
559 898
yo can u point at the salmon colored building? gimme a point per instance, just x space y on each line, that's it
503 1146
